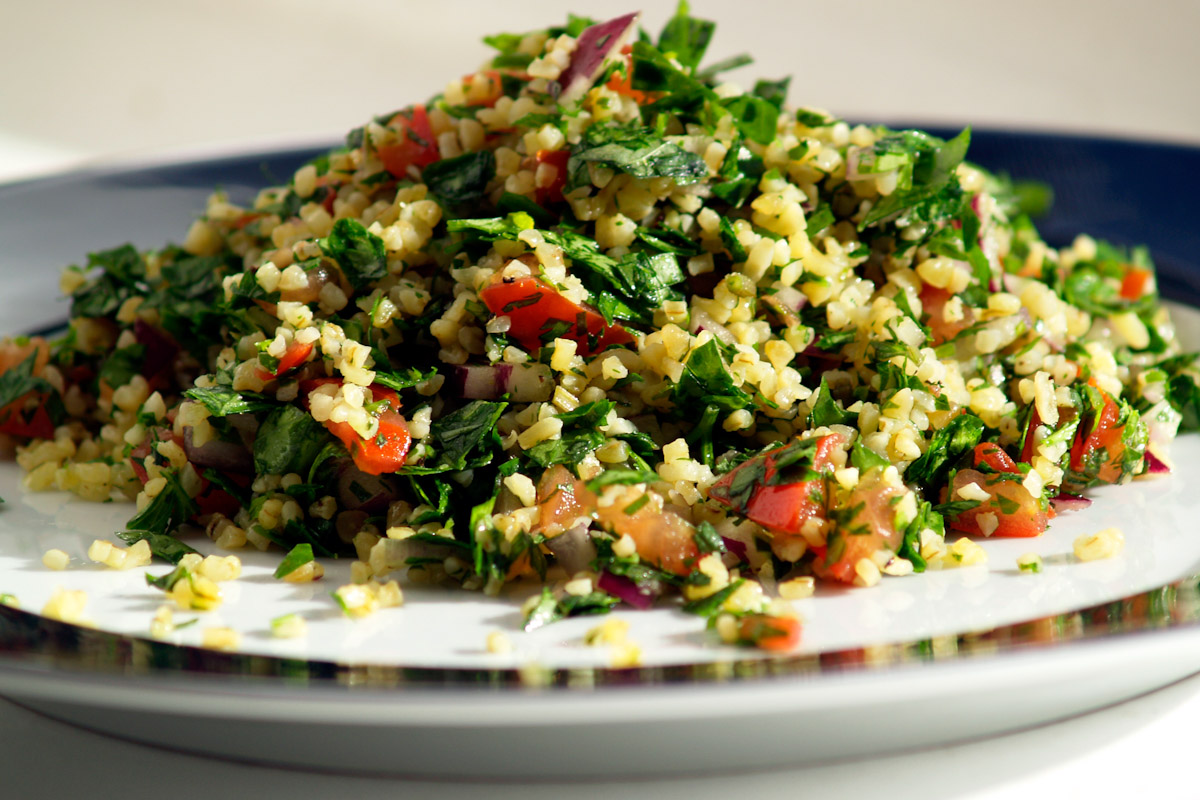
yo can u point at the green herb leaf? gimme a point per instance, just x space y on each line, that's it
459 434
359 253
945 448
686 37
709 606
222 401
461 179
706 380
288 440
636 151
169 509
300 555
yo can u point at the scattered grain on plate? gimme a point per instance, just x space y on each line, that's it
498 643
220 638
1102 544
1030 562
66 605
289 626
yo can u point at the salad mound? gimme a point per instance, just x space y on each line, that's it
596 317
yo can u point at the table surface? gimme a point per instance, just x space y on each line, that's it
1036 64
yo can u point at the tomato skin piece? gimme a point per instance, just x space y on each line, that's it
562 499
876 514
557 159
295 355
1134 284
770 632
37 426
933 302
783 508
622 83
1105 435
1028 520
533 305
663 538
994 457
414 145
384 453
1035 421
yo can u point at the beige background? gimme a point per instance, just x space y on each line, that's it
86 79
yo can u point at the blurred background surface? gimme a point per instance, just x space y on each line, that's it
84 80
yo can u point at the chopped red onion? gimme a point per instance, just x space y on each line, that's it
596 45
1070 502
218 454
160 350
525 383
361 491
573 549
791 297
482 382
621 587
703 321
1014 284
735 547
853 157
1155 465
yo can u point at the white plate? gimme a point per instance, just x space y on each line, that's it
924 659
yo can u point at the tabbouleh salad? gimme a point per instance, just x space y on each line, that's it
597 318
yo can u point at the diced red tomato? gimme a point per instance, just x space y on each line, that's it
1018 513
37 425
782 508
245 219
137 456
483 88
382 454
534 306
867 524
557 159
622 82
215 500
414 144
933 303
770 632
562 499
663 538
1035 422
1103 434
993 455
1135 282
330 196
295 355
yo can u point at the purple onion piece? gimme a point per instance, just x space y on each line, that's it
160 351
217 454
853 157
361 491
1155 465
573 549
485 382
735 547
1070 502
623 588
791 297
596 45
703 321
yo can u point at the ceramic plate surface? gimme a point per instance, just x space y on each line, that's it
923 659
